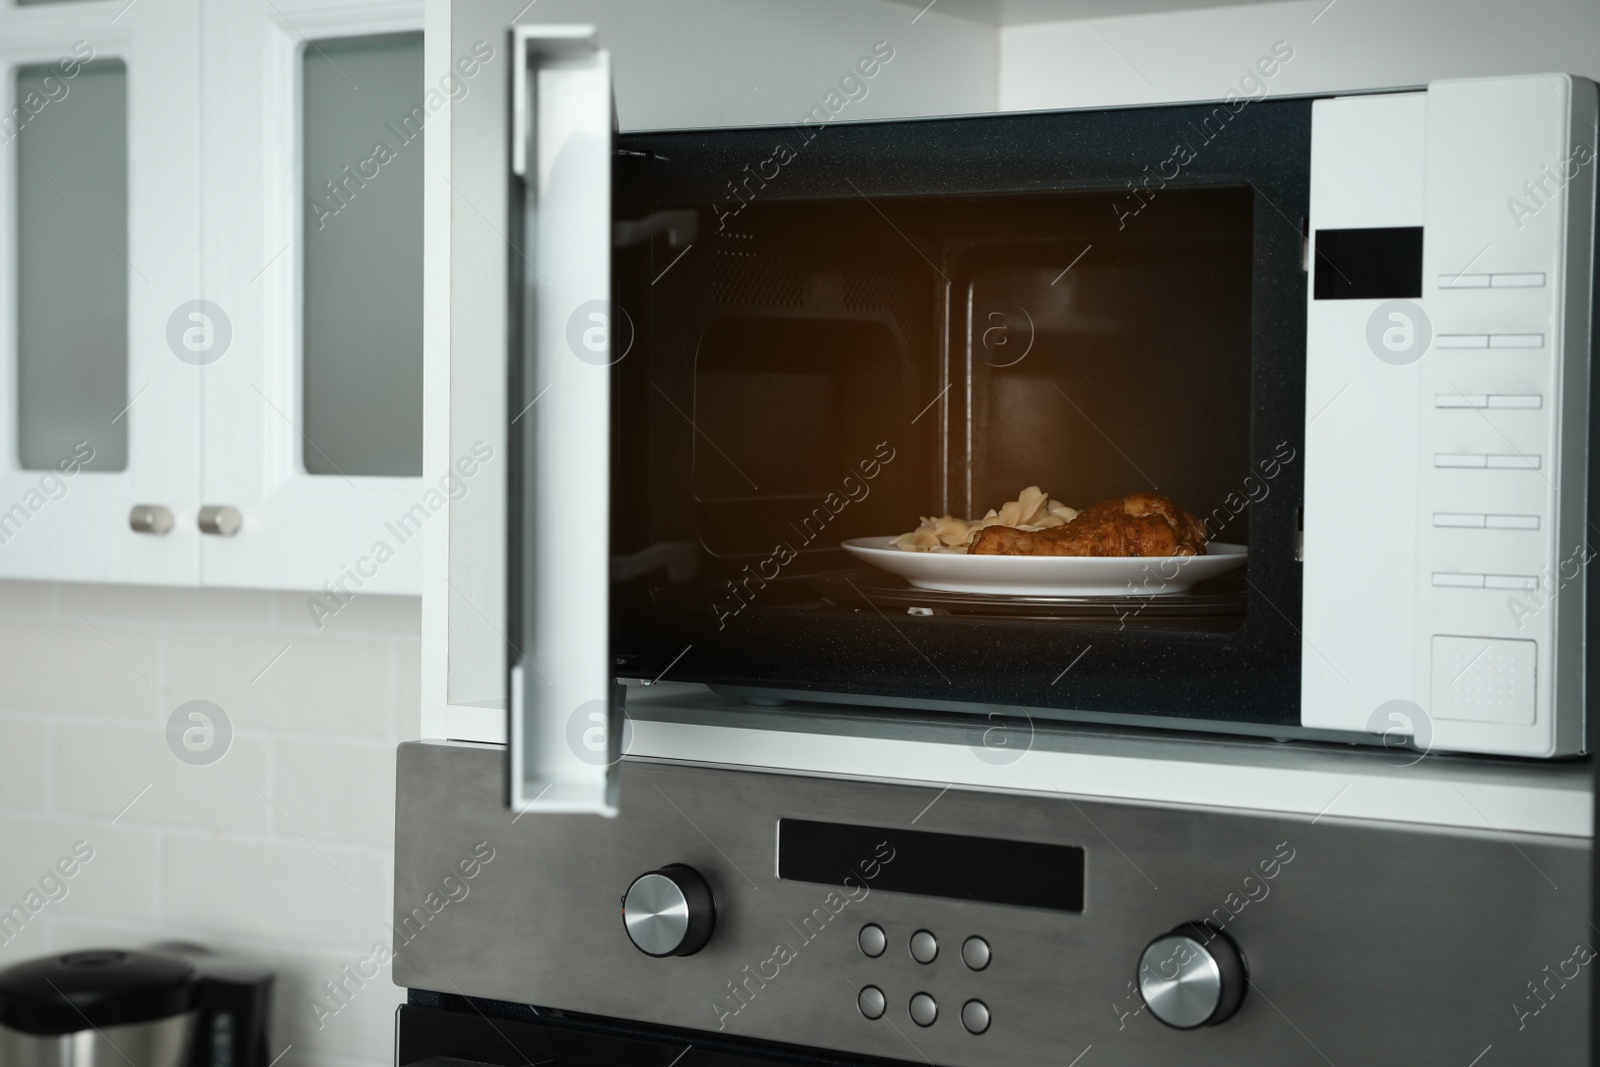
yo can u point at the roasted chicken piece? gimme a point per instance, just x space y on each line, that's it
1138 525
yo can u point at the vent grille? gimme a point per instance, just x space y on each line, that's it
746 271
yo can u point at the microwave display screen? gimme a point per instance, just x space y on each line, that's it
1026 874
1376 264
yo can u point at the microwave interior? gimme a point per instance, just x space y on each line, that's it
820 368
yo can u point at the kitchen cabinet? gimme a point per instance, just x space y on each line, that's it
208 311
98 141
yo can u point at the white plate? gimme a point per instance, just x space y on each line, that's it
957 572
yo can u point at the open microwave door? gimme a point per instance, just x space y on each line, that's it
564 708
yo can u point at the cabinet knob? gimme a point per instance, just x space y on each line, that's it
221 520
150 519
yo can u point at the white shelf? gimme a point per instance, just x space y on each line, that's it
1319 782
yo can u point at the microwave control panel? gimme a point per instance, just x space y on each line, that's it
1447 414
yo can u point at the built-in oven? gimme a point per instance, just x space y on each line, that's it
1347 338
744 915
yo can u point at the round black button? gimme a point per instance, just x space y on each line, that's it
975 1016
872 940
871 1002
975 953
924 1010
924 947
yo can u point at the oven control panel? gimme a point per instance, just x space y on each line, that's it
972 928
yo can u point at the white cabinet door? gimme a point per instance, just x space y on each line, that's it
99 217
565 734
312 410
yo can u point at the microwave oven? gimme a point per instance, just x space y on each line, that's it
1350 334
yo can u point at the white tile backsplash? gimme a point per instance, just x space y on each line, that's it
314 778
286 891
283 848
102 767
289 679
61 661
24 761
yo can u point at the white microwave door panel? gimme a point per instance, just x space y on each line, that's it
563 719
1442 565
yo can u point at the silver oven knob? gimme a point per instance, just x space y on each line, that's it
669 912
1193 976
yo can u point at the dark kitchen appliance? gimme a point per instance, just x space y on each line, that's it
173 1005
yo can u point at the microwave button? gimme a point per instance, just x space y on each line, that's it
1459 459
1463 281
924 1009
1461 340
1512 522
1516 400
1461 519
1482 679
1516 340
975 953
871 1002
1524 582
1461 400
1517 281
924 947
975 1016
1451 580
1513 463
872 940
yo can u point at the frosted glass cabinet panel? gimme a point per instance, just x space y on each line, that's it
361 379
99 230
321 450
72 266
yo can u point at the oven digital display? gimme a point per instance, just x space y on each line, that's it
1024 873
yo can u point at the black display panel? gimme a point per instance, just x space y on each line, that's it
1376 264
1024 873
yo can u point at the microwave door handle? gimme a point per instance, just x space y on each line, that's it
564 707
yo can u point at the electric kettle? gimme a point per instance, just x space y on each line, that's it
175 1005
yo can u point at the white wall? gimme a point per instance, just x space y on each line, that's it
1352 44
283 848
740 62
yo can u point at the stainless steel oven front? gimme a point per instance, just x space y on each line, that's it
742 915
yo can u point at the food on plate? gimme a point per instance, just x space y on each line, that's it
1033 510
1141 524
